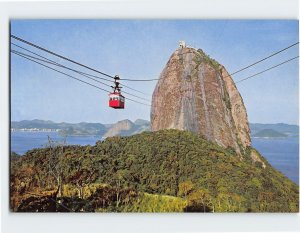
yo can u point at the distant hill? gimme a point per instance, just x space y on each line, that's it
39 124
269 133
127 128
288 130
121 128
82 128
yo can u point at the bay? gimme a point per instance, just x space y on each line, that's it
24 141
281 153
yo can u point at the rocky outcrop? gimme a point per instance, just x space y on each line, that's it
196 93
127 128
120 128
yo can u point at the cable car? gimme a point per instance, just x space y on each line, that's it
116 99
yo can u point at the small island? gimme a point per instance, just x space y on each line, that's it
269 133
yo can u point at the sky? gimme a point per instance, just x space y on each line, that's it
140 49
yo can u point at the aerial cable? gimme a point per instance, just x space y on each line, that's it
17 53
238 71
267 69
53 63
134 89
82 73
58 64
70 76
70 60
77 71
263 59
60 56
139 80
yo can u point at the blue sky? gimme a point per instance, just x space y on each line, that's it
139 49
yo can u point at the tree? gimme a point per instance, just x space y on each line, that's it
118 178
200 201
81 170
185 188
55 163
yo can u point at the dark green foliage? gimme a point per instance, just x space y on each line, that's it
37 204
164 163
203 57
110 199
104 199
14 156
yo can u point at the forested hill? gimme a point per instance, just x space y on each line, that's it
162 171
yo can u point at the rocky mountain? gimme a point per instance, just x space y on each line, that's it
127 128
196 93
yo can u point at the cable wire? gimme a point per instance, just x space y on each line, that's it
77 71
60 56
263 59
139 80
70 76
70 60
267 69
238 71
58 64
53 63
82 73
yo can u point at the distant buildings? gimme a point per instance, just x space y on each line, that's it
33 130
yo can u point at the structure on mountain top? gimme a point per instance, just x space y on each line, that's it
182 44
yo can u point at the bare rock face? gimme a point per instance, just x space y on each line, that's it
121 128
195 93
127 128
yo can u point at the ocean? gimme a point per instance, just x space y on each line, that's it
282 153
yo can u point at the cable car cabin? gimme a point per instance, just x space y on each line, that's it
116 100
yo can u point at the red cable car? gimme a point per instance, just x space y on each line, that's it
116 99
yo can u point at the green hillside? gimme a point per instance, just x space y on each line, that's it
164 171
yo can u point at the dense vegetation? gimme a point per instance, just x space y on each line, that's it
164 171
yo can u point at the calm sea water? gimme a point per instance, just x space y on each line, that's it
24 141
283 153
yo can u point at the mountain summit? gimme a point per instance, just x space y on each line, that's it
196 93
